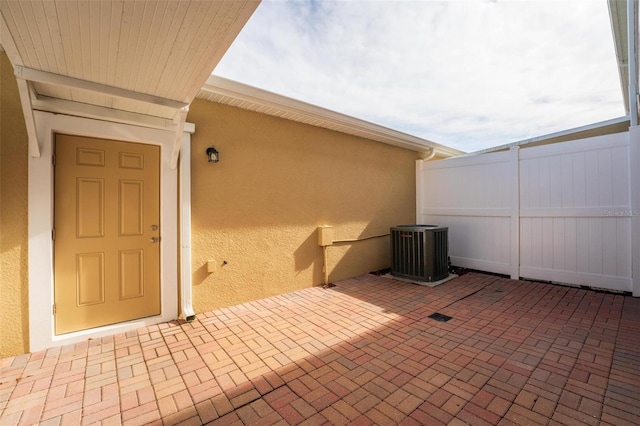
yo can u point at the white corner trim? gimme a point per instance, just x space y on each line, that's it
27 110
634 196
632 60
40 214
514 196
179 121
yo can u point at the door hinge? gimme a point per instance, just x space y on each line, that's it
53 159
54 309
53 234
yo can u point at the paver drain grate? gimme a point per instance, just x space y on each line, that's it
440 317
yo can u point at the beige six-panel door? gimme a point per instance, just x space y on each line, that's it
107 231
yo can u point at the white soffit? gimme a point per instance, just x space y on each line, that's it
140 57
229 92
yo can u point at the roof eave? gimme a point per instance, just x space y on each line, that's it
222 90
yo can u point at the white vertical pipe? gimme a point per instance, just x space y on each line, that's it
185 229
325 266
633 78
419 190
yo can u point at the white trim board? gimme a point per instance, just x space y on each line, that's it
609 282
41 198
57 80
481 265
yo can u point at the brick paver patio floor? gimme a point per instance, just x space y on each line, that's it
362 352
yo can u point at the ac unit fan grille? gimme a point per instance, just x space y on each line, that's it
419 253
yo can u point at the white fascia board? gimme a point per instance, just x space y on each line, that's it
543 138
618 19
632 37
24 90
78 109
91 86
8 44
262 98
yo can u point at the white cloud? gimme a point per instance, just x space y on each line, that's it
470 74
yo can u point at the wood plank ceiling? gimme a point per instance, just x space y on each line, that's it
140 58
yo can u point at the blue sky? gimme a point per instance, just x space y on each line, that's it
468 74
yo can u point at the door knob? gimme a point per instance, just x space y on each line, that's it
154 240
154 227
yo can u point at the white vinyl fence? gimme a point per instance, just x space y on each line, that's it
559 212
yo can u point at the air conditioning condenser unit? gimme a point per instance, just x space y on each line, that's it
420 252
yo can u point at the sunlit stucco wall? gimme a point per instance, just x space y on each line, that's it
255 213
14 302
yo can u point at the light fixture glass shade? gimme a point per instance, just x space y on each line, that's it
213 155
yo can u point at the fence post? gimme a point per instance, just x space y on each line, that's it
634 187
514 196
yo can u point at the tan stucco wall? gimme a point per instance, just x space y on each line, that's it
277 180
258 209
14 314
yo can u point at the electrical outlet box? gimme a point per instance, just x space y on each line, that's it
211 266
325 235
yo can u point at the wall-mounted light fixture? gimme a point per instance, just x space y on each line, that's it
213 155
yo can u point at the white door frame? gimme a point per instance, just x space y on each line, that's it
41 199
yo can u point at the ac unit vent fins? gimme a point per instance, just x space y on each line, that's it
420 252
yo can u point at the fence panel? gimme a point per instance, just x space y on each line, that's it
558 212
470 195
575 212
